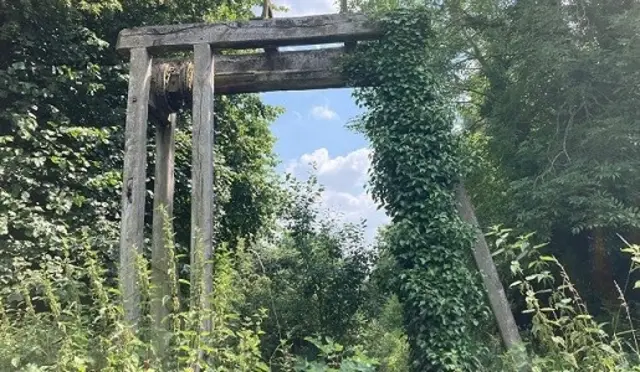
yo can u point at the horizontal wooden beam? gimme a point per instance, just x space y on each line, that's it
299 70
280 81
332 28
251 73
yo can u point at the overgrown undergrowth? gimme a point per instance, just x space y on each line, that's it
66 316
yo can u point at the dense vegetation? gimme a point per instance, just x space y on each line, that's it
533 104
416 164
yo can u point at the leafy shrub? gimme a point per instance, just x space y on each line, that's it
384 338
65 316
564 335
334 357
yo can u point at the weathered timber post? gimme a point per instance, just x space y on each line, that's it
344 9
162 216
177 82
202 173
133 185
495 291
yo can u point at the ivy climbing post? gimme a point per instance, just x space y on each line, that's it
415 167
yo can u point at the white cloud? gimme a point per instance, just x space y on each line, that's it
347 172
323 113
305 7
344 179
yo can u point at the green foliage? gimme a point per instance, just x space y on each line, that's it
334 358
564 335
555 86
634 251
312 275
549 89
383 338
67 317
61 135
416 164
62 99
552 135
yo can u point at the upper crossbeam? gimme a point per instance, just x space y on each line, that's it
330 28
172 80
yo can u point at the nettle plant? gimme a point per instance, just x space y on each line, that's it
415 166
564 335
68 316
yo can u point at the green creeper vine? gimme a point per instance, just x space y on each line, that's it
415 166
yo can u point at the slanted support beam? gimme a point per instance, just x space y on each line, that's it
133 185
162 216
495 291
202 178
331 28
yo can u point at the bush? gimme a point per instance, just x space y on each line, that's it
65 316
564 336
384 338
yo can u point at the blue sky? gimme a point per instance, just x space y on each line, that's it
313 130
315 119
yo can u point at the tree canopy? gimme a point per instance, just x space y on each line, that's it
63 120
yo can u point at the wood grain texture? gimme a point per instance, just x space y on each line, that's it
162 215
495 291
260 72
202 173
332 28
280 81
299 70
134 174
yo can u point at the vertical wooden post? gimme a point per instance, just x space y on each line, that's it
162 215
202 172
344 9
495 291
134 175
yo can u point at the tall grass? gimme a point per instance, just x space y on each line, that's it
66 316
564 335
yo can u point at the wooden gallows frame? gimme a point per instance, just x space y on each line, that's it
156 91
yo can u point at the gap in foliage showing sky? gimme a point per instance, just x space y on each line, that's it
313 130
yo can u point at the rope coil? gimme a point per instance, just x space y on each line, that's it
171 85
